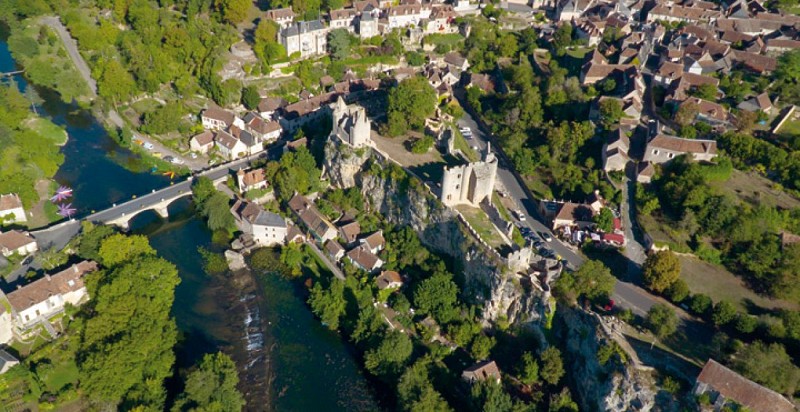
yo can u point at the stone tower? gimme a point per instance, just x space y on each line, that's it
470 183
350 124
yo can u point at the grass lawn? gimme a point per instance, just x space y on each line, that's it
663 233
48 130
480 222
312 265
755 189
538 187
716 282
451 40
145 106
461 143
578 52
790 129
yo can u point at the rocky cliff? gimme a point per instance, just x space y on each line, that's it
615 386
404 200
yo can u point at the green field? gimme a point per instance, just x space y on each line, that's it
49 130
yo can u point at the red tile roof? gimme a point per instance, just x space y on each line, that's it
736 387
68 280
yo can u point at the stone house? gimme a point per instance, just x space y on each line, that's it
725 385
482 371
17 242
571 214
368 26
215 118
615 151
266 228
389 279
264 131
251 179
203 142
756 103
269 105
315 222
7 361
309 38
709 112
667 73
283 17
374 242
251 143
334 250
364 259
645 172
456 61
296 115
230 147
349 232
406 15
11 209
470 183
663 148
42 299
342 19
676 13
440 20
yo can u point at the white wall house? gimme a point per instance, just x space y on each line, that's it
11 209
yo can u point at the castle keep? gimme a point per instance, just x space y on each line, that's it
350 124
470 183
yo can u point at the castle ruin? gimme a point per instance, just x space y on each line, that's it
350 124
470 183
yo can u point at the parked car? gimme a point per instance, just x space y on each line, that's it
169 159
466 132
546 236
148 145
520 215
194 155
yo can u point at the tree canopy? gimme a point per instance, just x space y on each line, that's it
661 320
661 270
410 103
211 387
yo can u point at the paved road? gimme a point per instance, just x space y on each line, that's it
625 294
113 116
332 266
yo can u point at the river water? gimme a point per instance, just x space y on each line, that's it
288 361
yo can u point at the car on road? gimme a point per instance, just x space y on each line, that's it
194 155
169 158
546 236
520 215
548 253
158 154
466 132
148 145
538 244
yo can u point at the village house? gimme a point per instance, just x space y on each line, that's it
757 103
248 180
440 20
663 148
215 118
482 371
334 250
308 38
42 299
406 15
203 142
11 209
315 222
645 172
667 73
17 242
283 17
265 228
230 147
374 242
471 183
709 112
269 105
725 385
678 14
568 214
296 115
264 131
680 89
593 72
7 361
350 124
389 279
251 144
615 151
568 10
349 232
368 26
342 19
364 259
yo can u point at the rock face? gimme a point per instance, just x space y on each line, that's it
611 387
235 260
404 200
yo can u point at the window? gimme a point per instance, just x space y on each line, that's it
655 152
671 155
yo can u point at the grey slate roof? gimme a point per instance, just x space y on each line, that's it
302 27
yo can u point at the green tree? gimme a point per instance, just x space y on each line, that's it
552 365
328 304
130 308
661 270
119 248
562 402
233 11
768 365
339 44
436 295
389 358
701 304
114 82
211 387
562 38
724 313
50 258
706 91
787 74
592 280
489 396
91 238
251 97
410 103
415 392
213 263
481 347
605 220
678 291
687 114
529 371
202 189
217 210
662 320
610 113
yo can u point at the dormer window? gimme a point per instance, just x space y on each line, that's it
671 155
655 152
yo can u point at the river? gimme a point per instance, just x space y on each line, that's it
288 361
